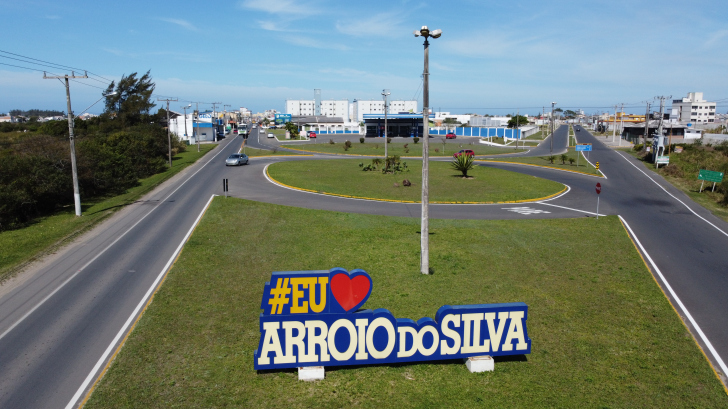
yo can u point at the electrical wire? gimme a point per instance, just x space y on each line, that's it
57 65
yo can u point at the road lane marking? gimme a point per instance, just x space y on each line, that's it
32 310
673 196
134 317
677 300
569 208
526 211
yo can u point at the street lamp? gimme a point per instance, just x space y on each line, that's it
385 94
425 226
552 127
185 109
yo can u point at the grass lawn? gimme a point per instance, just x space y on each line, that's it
688 183
252 152
603 333
584 166
322 145
49 233
345 177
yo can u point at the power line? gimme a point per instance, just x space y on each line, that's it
58 65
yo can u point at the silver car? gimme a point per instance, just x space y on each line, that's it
236 159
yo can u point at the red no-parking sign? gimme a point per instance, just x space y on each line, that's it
599 188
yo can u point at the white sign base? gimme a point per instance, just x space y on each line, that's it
311 373
480 363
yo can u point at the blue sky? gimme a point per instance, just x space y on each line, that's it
493 57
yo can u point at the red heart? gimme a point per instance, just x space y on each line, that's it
349 292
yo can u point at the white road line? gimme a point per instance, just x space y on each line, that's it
673 196
133 315
32 310
569 208
677 300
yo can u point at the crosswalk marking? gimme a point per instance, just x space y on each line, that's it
524 210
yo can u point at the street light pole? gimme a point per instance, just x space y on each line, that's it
185 109
425 224
169 137
385 93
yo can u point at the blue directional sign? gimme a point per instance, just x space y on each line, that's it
584 147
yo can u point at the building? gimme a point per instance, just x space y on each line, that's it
692 109
332 108
13 119
361 107
489 121
441 117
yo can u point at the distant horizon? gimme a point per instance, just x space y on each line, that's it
491 59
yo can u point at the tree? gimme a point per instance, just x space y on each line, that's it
133 99
292 129
462 163
521 120
570 114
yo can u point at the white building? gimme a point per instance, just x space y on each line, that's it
693 109
338 108
361 107
490 121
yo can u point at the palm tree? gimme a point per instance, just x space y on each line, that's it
462 163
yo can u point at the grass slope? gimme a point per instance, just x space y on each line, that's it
603 333
583 166
46 234
345 177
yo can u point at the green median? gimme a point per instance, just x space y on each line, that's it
345 177
47 234
571 160
369 148
603 333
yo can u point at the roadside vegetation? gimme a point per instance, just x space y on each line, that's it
567 161
682 172
603 333
349 177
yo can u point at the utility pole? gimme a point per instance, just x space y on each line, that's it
225 116
213 119
385 94
662 108
621 125
518 119
74 169
614 124
185 109
169 137
552 127
647 126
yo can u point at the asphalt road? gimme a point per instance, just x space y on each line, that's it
59 321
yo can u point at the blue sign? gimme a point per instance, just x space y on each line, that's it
282 118
584 147
314 318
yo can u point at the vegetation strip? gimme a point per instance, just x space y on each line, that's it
343 178
603 334
433 147
600 175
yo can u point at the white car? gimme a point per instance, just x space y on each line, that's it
270 135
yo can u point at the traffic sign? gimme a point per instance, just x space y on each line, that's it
597 165
710 175
584 147
599 188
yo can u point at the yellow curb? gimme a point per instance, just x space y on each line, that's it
407 201
649 270
540 166
278 156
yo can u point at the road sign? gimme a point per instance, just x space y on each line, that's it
584 147
599 188
597 166
710 175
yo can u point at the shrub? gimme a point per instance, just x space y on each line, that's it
437 150
571 161
347 145
551 158
331 141
563 158
463 163
393 165
415 139
361 140
389 140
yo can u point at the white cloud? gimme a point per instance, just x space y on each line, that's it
272 26
495 44
313 43
714 38
53 17
282 7
182 23
380 25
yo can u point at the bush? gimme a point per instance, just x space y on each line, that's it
415 139
331 141
389 140
571 161
347 145
393 165
463 163
551 158
563 158
361 140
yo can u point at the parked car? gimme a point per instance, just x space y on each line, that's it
270 135
236 159
450 135
468 152
312 134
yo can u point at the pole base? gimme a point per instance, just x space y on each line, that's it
484 363
311 373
